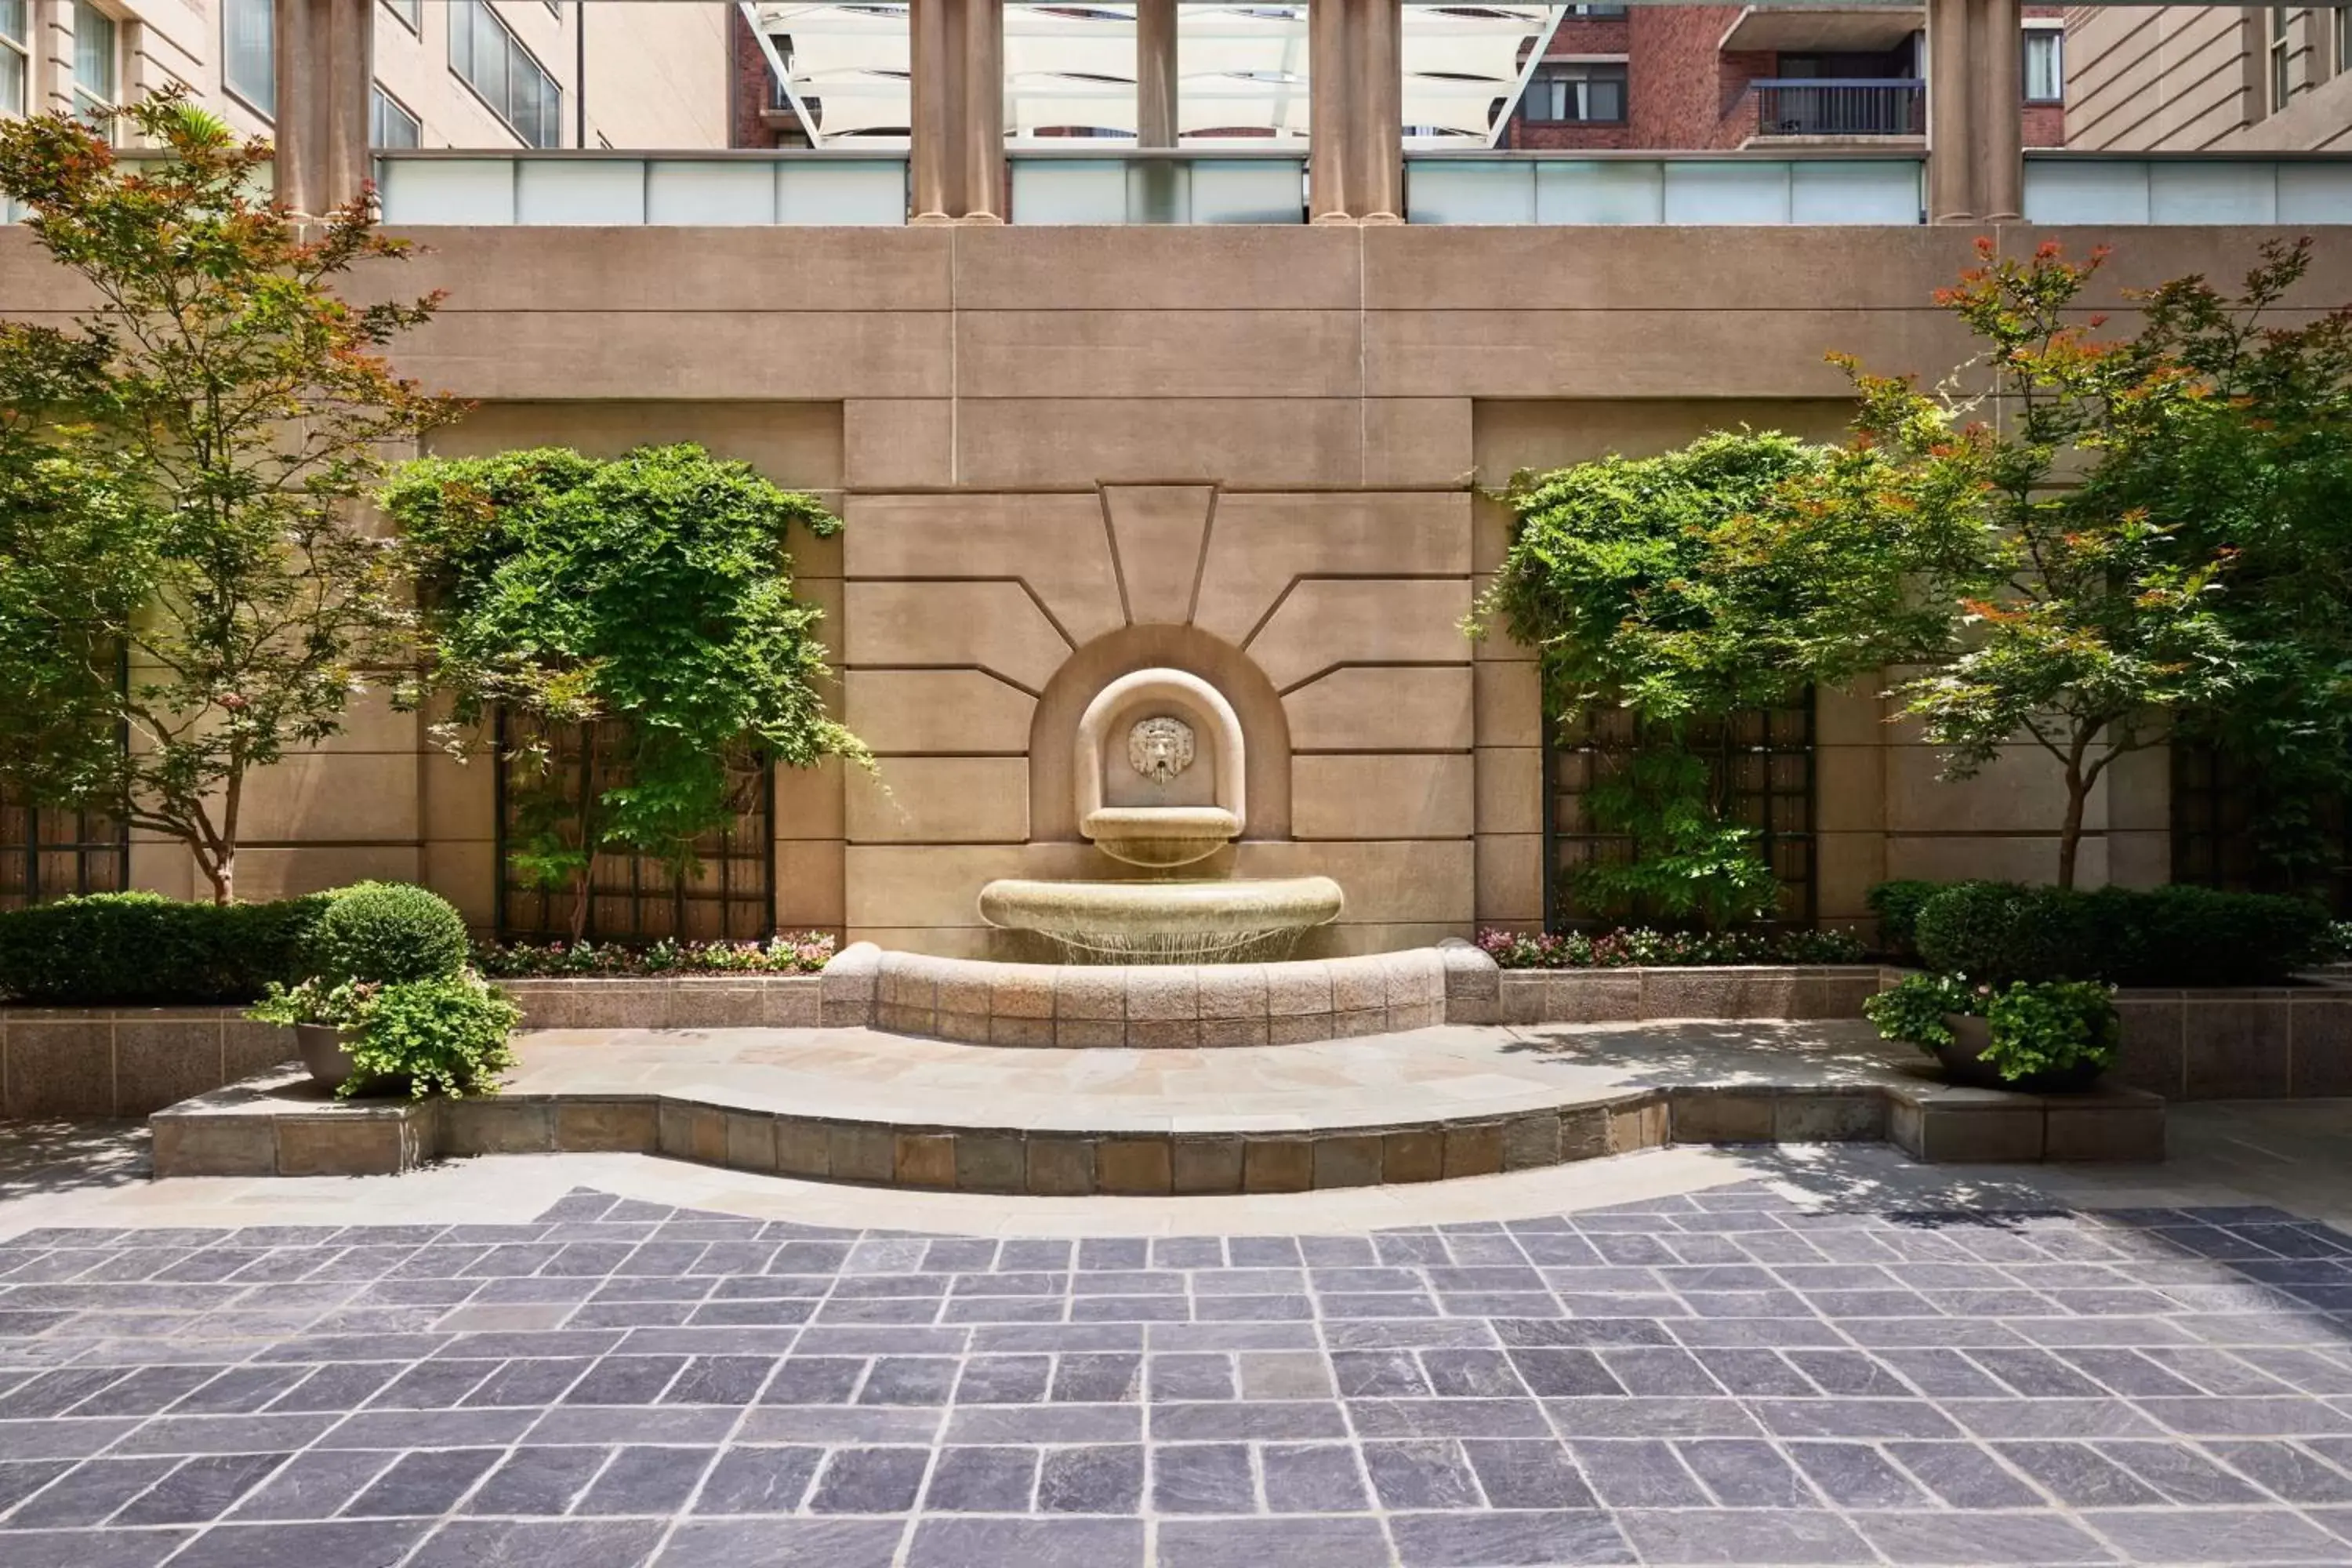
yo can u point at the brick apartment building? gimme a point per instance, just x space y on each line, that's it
1687 77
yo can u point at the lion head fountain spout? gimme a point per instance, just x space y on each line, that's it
1161 784
1142 802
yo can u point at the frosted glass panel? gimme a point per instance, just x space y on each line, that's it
447 190
1600 192
2212 193
2314 193
1249 191
713 192
1053 191
1874 192
2084 191
1444 191
845 195
1727 193
588 191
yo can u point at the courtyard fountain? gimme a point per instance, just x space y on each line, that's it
1161 785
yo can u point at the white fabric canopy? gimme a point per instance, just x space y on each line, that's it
1241 70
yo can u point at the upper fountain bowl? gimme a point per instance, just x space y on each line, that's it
1161 836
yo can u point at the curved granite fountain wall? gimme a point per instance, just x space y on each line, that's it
1158 1006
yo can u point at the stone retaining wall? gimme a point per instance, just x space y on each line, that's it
668 1002
127 1061
2241 1042
1639 995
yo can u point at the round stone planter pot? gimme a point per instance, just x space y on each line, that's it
325 1053
1963 1062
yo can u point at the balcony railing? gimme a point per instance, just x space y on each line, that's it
1809 106
599 189
1117 184
1127 185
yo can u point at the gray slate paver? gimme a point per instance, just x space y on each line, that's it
1728 1378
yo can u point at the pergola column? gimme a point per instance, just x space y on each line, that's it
1330 74
1155 73
1998 121
956 105
325 51
932 77
983 110
1378 189
1975 93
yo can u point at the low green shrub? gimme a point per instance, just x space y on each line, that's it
1641 947
1897 905
144 950
2034 1029
787 953
389 932
2173 936
445 1034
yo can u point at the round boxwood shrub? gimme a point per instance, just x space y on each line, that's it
1897 905
2001 931
389 932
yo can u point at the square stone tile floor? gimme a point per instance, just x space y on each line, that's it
1695 1356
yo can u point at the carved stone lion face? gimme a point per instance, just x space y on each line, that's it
1161 748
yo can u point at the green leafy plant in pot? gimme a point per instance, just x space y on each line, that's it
2047 1037
391 1002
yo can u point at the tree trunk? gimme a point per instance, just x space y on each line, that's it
220 871
2070 837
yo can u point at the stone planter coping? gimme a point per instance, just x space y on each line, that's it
853 1107
127 1061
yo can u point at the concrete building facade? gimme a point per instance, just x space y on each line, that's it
1254 453
2270 79
443 73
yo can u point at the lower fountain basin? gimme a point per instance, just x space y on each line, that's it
1165 923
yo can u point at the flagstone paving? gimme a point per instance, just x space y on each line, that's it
1728 1376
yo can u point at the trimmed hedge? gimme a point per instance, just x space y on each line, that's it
144 950
388 932
2163 937
1897 906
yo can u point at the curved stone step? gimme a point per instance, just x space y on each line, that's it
860 1106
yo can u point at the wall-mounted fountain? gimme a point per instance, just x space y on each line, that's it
1161 781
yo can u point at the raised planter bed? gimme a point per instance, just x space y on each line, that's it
2239 1043
127 1061
669 1002
1795 992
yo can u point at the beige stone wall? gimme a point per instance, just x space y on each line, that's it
2199 77
656 70
1065 453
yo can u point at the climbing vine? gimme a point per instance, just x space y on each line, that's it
646 599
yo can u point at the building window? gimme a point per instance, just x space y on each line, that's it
408 13
48 854
495 64
546 777
2281 57
2342 29
16 52
2219 807
390 124
1760 772
248 56
2045 65
95 82
1577 95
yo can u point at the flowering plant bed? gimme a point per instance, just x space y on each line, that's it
788 953
1641 948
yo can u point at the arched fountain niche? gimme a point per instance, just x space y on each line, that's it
1159 775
